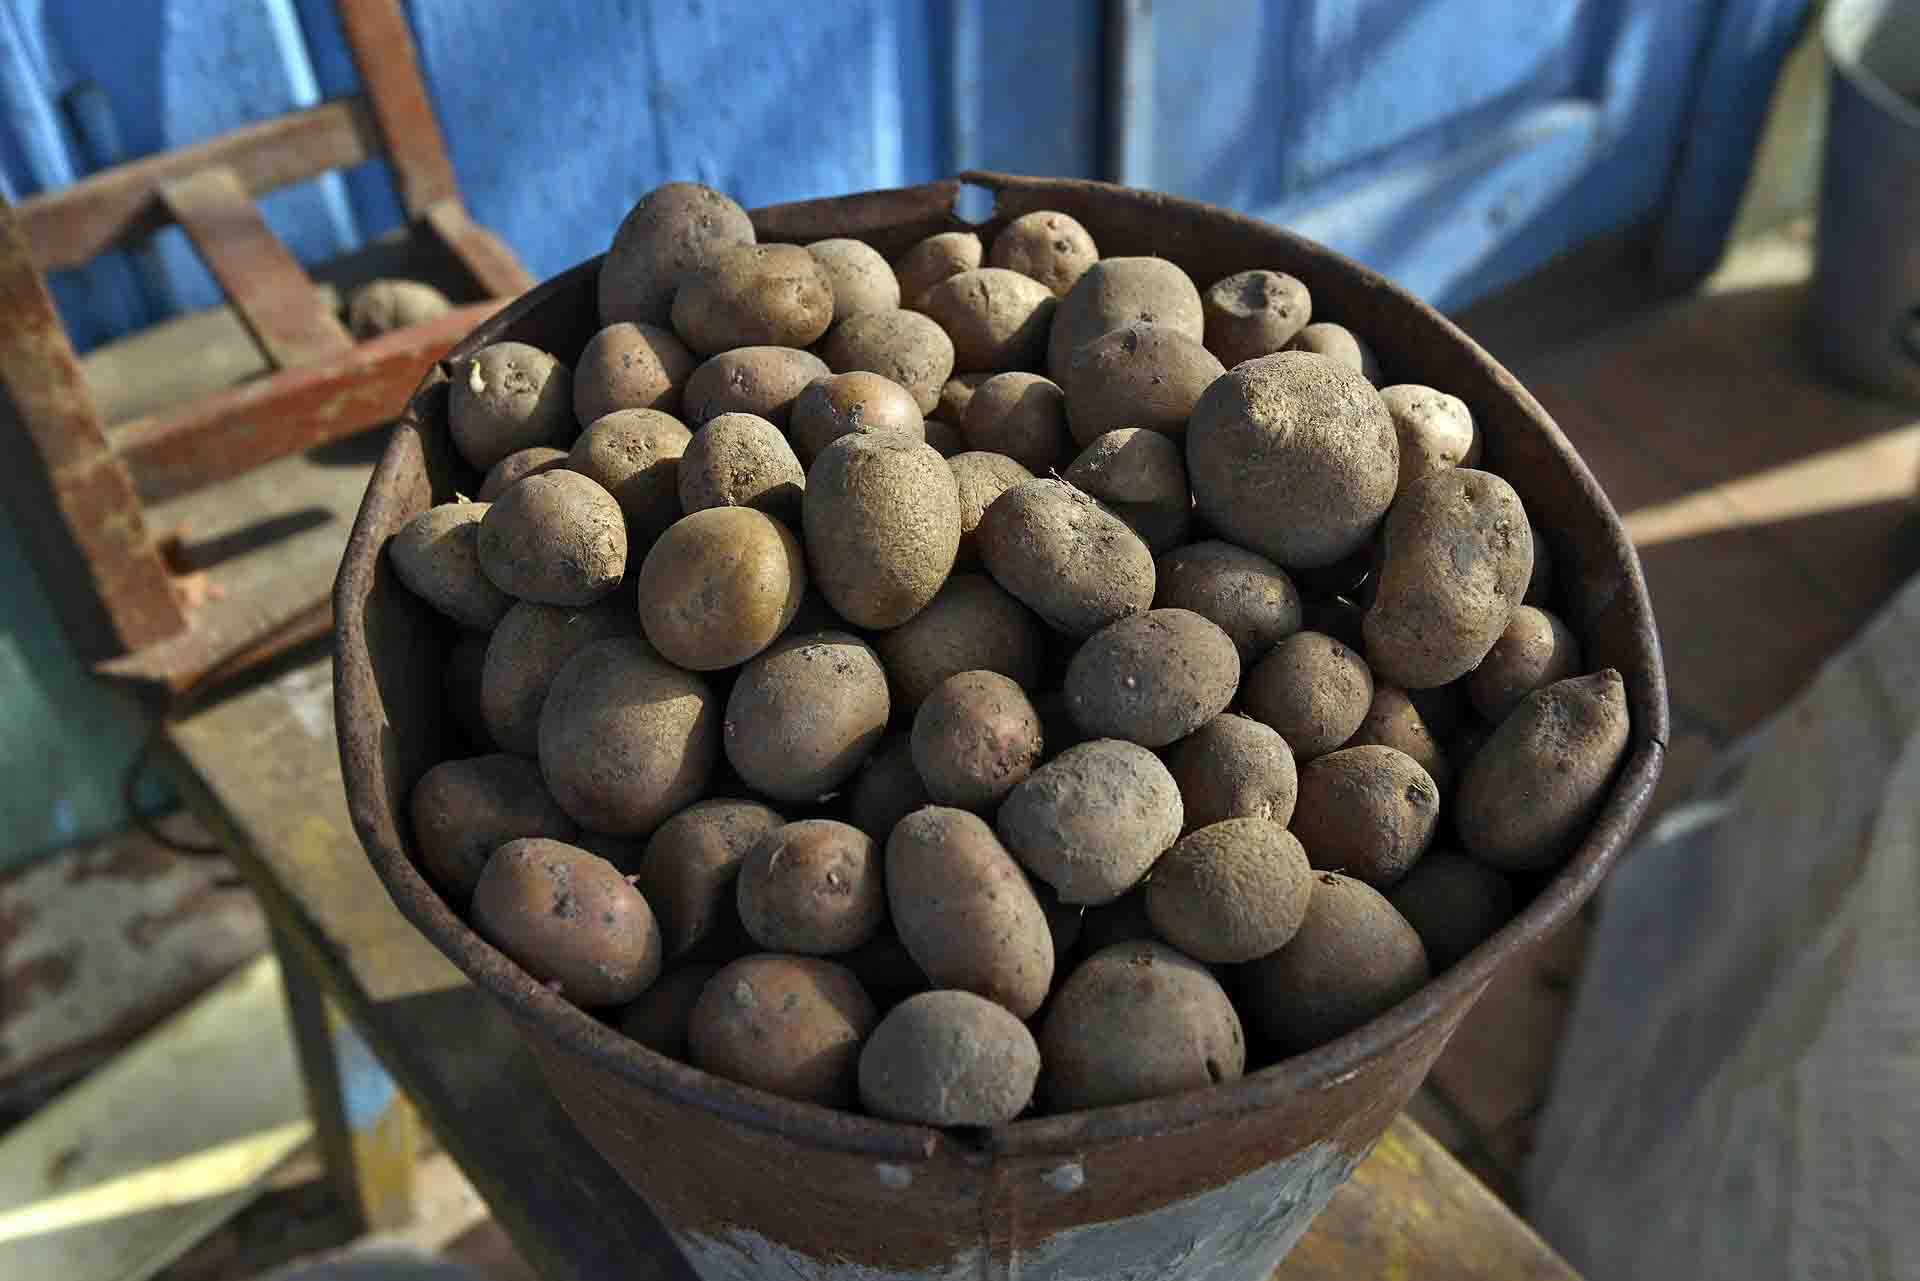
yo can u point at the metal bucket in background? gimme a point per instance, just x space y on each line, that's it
1866 281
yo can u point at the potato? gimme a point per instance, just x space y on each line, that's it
881 517
1254 313
754 296
460 682
1231 891
1049 246
886 970
741 460
933 260
805 713
629 366
1352 958
1454 564
1116 292
969 625
974 738
464 810
1142 476
764 381
965 911
957 393
1535 651
1312 690
1293 456
1540 582
518 465
1139 375
904 346
812 888
1530 794
948 1058
789 1025
527 650
437 556
658 1018
1368 812
1393 720
998 319
570 920
862 281
887 789
1453 903
1152 678
720 586
1339 344
944 438
842 404
1122 921
1065 556
1137 1021
980 477
634 455
626 738
507 397
557 538
1021 416
691 865
1091 821
673 230
1435 430
382 306
1234 767
1242 593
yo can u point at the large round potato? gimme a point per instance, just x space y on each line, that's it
570 920
634 454
464 810
812 888
527 650
691 864
975 738
674 230
1244 594
805 713
843 404
789 1025
506 397
630 366
1234 767
904 346
980 477
719 586
1254 313
764 381
754 296
998 319
948 1058
1152 678
1091 821
882 521
557 538
1050 246
741 460
1021 416
971 624
437 556
1122 291
862 280
1065 556
1231 891
1369 812
1139 375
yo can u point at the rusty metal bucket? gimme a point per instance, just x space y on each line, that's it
1218 1183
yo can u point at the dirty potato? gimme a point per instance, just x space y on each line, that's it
754 296
1368 812
862 280
463 810
1234 767
1243 593
518 465
1091 821
1394 720
1435 430
437 556
904 346
634 454
1139 375
844 404
506 397
557 538
570 920
1122 291
672 231
1338 343
720 586
980 478
1312 690
741 460
935 259
630 366
812 888
763 381
1142 475
1231 891
1454 904
789 1025
948 1058
881 517
1254 313
804 714
1065 556
975 738
1152 678
971 624
1047 245
1019 416
527 650
998 319
691 864
1535 651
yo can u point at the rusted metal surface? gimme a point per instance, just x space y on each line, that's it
376 31
281 307
486 257
716 1160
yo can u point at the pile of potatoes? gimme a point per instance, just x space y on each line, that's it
1001 678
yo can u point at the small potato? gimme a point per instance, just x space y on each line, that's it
1535 651
1435 429
881 517
1021 416
948 1058
1152 678
1124 920
812 888
1234 767
1091 821
1138 1021
629 366
463 811
789 1025
805 713
971 624
634 455
886 970
933 260
673 231
570 920
382 306
518 465
557 538
862 280
998 319
1121 291
437 556
507 397
1454 564
626 738
1352 958
903 346
980 477
690 867
842 404
1065 556
965 911
660 1016
944 438
764 381
957 393
1142 475
1368 812
1231 891
527 650
1312 690
720 586
1254 313
974 739
754 296
1393 720
887 789
1453 903
1530 794
460 682
1293 456
1049 246
1243 593
741 460
1137 376
1338 343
